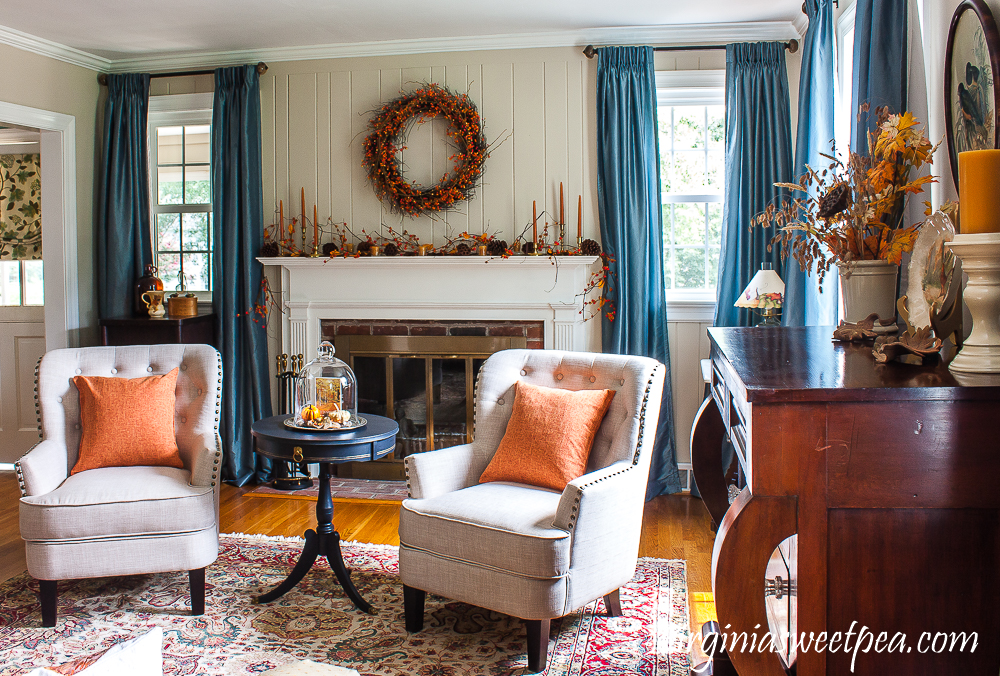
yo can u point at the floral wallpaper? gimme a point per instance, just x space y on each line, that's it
20 207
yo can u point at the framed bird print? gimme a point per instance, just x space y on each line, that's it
971 96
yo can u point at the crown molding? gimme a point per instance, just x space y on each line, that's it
53 50
718 33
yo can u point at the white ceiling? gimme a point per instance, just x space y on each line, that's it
122 30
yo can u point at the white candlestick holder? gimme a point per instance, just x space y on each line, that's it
980 256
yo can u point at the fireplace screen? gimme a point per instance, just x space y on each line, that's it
425 383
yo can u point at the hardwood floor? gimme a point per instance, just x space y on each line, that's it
674 527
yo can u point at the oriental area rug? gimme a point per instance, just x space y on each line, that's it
316 621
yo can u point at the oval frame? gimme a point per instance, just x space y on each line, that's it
992 36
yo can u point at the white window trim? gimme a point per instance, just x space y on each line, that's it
691 88
175 109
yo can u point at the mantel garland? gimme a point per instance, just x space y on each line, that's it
387 137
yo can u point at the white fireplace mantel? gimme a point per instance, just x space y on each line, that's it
447 288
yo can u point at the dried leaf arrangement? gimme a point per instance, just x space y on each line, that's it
387 130
853 209
859 332
919 342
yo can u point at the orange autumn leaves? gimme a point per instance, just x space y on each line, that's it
853 209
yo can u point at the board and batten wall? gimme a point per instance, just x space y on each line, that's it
537 111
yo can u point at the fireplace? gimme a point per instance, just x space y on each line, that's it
426 383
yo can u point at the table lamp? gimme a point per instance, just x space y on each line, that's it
764 294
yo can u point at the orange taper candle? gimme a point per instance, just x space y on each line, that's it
281 218
579 218
978 181
534 222
562 205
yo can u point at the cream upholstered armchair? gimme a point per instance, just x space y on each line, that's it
529 552
122 520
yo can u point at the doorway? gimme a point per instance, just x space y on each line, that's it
22 287
28 328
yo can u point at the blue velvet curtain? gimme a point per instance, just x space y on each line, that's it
628 190
758 154
237 222
124 244
804 304
880 63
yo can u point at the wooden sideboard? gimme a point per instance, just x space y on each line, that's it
890 477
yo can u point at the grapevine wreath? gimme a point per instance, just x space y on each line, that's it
387 136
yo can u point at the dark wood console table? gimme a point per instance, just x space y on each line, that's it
889 477
145 330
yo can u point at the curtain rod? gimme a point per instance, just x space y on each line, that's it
261 69
590 51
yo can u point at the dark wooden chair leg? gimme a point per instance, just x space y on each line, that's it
49 594
613 603
538 644
197 579
413 609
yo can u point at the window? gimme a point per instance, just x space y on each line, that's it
844 112
691 110
180 190
21 283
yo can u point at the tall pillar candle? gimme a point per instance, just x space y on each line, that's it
979 191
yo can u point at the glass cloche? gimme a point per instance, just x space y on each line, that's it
326 393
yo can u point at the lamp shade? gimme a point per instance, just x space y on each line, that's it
765 290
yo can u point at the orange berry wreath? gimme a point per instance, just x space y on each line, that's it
387 136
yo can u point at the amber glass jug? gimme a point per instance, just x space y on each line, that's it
148 282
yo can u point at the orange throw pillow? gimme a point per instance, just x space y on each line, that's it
127 422
549 436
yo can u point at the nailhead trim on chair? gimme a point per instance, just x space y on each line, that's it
20 474
38 404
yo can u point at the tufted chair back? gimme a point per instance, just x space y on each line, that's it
620 434
199 390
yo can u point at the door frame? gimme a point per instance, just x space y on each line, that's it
59 228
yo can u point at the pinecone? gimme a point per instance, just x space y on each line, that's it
330 249
463 249
496 247
270 250
365 248
391 249
528 248
590 248
834 201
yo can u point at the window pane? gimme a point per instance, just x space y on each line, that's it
34 283
196 232
197 186
668 267
668 225
197 144
169 185
689 223
663 117
690 269
168 232
169 268
716 127
689 173
168 145
689 127
716 171
713 267
714 224
10 283
196 272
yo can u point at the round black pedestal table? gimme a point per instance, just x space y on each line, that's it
274 440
